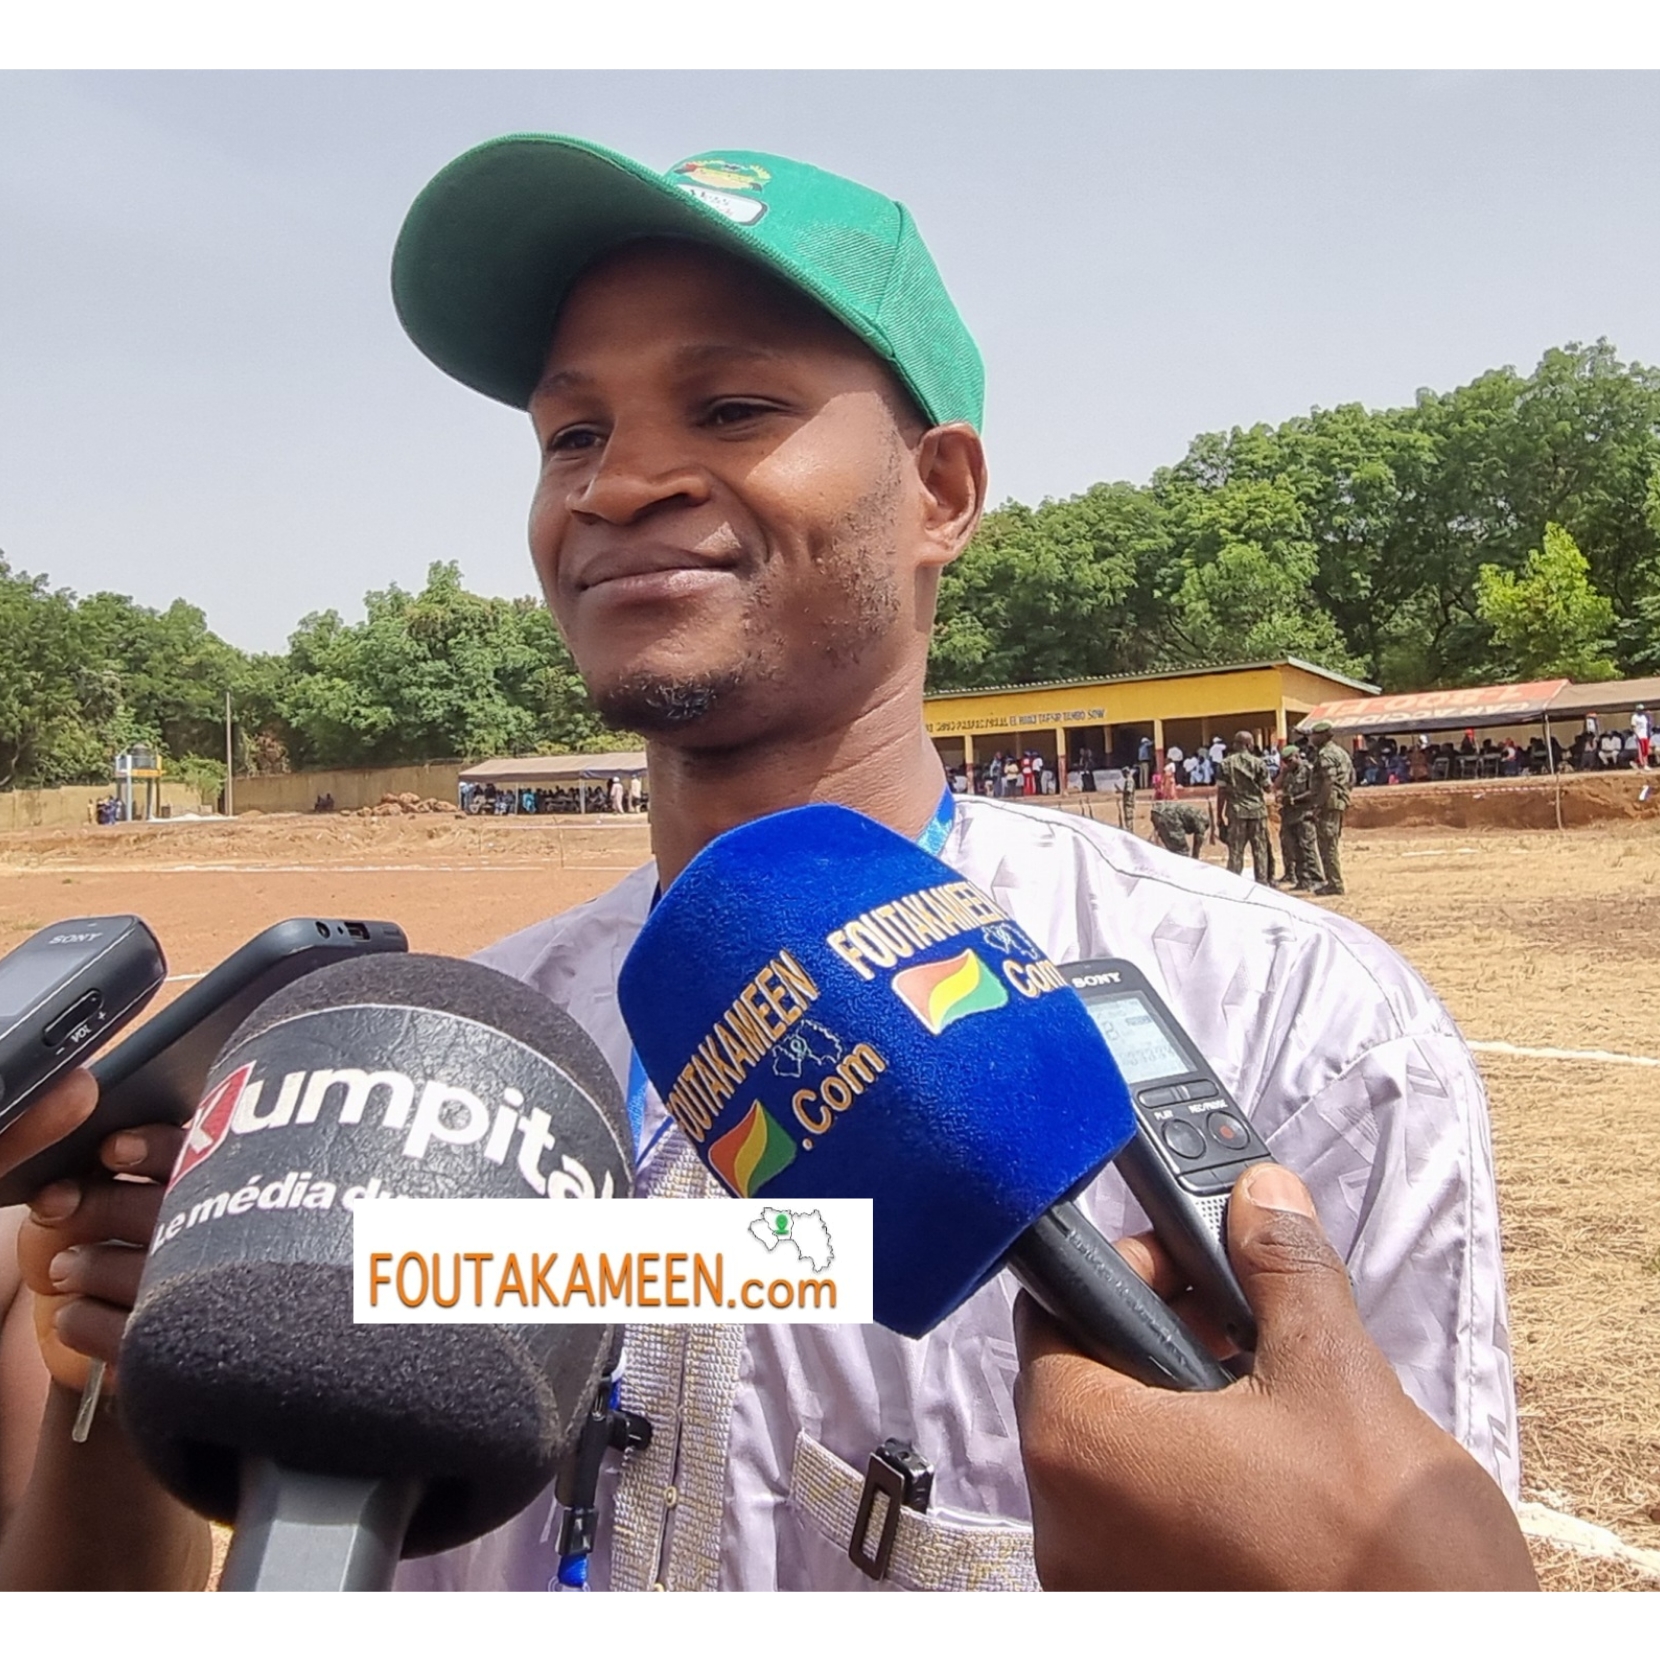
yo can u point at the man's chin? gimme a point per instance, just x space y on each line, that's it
667 706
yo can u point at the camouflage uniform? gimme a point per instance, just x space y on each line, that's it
1334 778
1242 791
1174 822
1299 854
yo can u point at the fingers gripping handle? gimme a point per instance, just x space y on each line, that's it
1111 1314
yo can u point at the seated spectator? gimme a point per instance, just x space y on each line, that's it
1608 750
1417 764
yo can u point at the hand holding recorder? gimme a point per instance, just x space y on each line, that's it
1317 1472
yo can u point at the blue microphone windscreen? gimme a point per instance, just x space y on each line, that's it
828 1011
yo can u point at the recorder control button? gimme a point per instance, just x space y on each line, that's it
1182 1138
1200 1089
1227 1131
1165 1096
83 1009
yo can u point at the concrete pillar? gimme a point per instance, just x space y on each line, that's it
968 761
1060 759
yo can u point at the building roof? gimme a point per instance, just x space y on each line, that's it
1591 697
556 769
1444 711
1191 670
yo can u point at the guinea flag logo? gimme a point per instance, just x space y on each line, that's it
747 1158
939 994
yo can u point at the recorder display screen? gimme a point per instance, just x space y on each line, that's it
1137 1038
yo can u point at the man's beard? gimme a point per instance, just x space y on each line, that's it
658 706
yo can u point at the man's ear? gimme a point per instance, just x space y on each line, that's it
951 468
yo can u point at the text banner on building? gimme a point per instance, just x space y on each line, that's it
659 1261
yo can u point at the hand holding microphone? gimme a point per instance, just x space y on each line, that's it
1317 1472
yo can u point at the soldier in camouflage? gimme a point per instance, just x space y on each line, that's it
1177 823
1334 781
1242 788
1299 853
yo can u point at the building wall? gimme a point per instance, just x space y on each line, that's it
73 804
351 787
1171 697
1110 716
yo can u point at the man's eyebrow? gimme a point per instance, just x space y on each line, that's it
697 355
560 380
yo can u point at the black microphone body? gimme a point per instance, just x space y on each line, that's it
246 1386
1108 1310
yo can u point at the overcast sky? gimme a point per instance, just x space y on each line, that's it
204 391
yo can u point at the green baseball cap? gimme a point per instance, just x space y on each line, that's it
1289 752
492 245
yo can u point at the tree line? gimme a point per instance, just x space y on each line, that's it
1509 529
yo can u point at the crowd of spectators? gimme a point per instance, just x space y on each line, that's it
1421 760
616 796
1416 759
1025 772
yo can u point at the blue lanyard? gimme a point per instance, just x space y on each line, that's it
931 840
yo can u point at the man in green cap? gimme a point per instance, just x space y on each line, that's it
757 416
1299 854
1242 804
1334 781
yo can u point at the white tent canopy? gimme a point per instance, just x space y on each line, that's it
557 769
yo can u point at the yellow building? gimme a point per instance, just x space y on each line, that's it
1182 707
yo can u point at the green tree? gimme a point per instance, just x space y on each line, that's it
1246 575
440 673
1051 592
45 738
1548 620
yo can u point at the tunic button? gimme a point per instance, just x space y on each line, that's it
671 1497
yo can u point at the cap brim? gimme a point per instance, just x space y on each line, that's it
493 243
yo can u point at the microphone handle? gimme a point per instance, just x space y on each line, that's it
300 1531
1108 1310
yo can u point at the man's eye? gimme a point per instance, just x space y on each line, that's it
572 439
728 412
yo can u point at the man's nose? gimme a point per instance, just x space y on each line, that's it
638 471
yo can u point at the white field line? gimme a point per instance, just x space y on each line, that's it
1585 1538
176 979
1595 1057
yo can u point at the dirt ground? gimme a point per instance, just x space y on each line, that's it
1537 941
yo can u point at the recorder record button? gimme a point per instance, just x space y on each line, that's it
1227 1131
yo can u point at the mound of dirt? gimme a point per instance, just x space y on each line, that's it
393 806
1507 803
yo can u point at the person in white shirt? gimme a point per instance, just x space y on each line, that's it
1642 730
758 419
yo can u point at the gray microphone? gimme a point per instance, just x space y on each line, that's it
335 1449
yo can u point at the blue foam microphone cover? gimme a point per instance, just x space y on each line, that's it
828 1011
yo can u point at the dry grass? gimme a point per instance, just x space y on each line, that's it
1548 941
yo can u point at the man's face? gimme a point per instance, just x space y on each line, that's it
729 522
